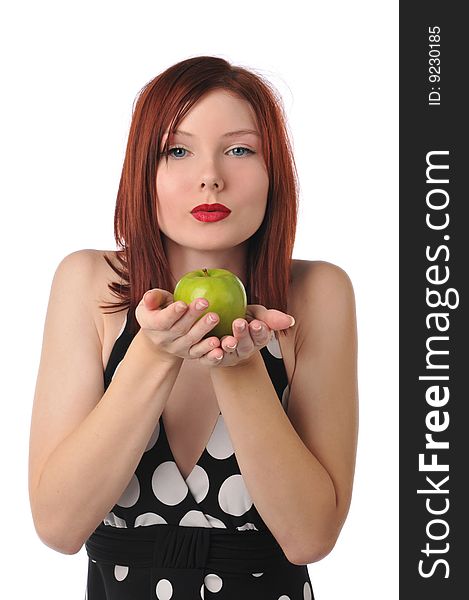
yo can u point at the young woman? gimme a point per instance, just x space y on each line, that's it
197 467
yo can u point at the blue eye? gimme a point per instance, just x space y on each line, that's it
170 151
176 148
242 148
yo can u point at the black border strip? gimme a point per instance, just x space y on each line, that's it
434 48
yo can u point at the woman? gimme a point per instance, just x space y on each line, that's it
200 466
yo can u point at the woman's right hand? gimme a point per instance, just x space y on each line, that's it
175 333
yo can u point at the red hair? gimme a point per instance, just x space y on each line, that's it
161 104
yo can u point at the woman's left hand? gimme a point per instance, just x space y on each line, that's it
240 347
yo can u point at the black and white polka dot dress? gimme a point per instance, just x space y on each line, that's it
170 538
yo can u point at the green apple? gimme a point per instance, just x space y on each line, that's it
224 291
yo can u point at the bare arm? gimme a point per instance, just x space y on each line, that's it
311 450
86 444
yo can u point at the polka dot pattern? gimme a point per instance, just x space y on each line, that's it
149 519
247 526
111 519
168 485
120 572
198 483
131 493
213 582
213 496
215 522
274 347
164 590
116 369
234 497
154 437
219 445
194 518
285 396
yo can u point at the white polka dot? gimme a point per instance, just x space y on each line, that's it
202 592
234 497
131 493
212 582
194 518
121 330
257 574
111 519
120 572
274 347
215 522
247 526
285 397
115 370
168 484
149 518
283 597
154 437
164 590
198 483
307 591
219 445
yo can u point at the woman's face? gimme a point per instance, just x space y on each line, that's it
209 166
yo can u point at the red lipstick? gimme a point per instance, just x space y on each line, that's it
209 213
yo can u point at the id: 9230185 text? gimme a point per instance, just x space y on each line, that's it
434 74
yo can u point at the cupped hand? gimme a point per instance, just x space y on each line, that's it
250 335
177 333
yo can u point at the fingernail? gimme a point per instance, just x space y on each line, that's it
180 307
292 321
241 326
201 304
257 327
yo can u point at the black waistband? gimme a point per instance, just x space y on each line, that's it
175 546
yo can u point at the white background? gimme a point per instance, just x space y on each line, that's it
71 71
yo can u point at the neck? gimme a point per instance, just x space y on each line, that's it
183 260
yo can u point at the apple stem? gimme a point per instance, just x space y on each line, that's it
205 272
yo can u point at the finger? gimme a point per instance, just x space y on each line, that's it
198 321
275 319
157 298
178 314
154 302
212 358
260 332
241 331
203 347
159 319
229 344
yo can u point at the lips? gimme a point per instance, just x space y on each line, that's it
211 208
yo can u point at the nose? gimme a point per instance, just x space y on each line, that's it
212 183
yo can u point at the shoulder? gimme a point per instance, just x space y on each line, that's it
84 269
89 265
321 295
319 282
325 276
78 269
87 273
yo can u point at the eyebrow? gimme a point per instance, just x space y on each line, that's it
228 134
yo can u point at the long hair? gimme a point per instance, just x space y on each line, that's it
160 105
